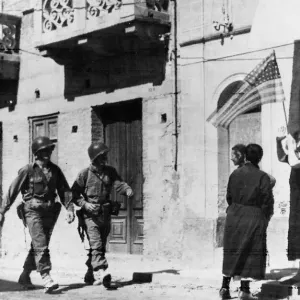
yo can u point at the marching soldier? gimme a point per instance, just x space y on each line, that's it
91 191
38 182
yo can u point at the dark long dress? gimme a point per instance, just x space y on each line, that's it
250 199
293 251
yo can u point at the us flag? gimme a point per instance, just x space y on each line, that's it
262 85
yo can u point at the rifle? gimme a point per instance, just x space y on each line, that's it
81 225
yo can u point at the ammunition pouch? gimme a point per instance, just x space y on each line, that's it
115 208
111 208
21 213
106 209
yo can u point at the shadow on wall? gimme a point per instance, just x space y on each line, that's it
87 74
8 93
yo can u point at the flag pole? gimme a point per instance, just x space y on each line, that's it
285 117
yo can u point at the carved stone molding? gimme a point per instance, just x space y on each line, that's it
99 8
57 14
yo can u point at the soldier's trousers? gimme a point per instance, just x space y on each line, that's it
40 221
97 231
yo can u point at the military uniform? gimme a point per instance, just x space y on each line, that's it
94 185
39 210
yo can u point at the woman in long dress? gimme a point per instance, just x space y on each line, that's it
251 202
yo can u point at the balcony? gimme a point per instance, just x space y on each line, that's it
9 47
69 28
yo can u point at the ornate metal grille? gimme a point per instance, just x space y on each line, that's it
99 8
57 14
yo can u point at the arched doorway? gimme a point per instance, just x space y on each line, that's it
244 129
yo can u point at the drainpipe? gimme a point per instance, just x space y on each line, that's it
175 51
204 108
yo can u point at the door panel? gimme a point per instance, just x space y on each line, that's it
47 127
123 135
115 134
134 175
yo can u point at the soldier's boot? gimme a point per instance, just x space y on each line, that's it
102 277
224 294
89 277
25 281
49 284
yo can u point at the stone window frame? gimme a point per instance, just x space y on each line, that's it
34 119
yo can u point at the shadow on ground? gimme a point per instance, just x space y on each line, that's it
65 288
11 286
277 274
141 278
169 271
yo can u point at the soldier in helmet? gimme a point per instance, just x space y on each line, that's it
91 191
39 182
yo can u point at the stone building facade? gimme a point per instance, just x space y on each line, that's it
213 64
97 83
111 73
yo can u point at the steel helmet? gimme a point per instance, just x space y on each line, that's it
41 142
96 149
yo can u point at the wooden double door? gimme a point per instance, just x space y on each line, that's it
122 123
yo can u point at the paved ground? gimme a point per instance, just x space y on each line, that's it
72 288
169 281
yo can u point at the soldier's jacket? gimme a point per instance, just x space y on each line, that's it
34 184
94 187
